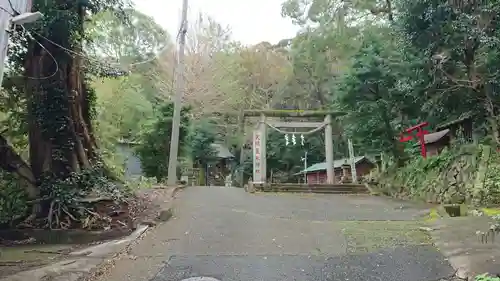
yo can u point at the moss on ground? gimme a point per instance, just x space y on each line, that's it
368 236
432 216
491 211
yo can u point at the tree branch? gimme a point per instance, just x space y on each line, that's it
11 162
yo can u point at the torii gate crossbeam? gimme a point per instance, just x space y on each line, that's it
260 133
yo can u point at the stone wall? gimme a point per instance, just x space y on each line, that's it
466 174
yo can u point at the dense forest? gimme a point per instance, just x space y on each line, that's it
92 74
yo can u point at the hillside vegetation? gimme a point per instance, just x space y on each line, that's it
466 174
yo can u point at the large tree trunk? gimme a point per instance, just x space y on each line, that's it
492 110
11 162
60 135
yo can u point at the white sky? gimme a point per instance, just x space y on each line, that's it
251 21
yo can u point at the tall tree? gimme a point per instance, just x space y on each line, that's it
371 93
138 37
460 40
131 47
155 141
59 101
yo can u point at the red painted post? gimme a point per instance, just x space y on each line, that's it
420 135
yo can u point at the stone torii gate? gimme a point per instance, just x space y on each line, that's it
260 136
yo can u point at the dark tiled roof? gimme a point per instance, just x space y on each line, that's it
458 120
435 137
222 151
336 164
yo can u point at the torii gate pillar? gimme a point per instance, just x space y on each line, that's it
330 176
259 152
259 137
263 132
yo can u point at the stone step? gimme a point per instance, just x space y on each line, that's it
331 189
318 191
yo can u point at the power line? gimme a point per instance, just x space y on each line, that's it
48 52
98 60
5 10
13 10
6 23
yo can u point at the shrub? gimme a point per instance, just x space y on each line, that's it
12 199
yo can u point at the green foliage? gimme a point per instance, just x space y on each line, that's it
416 172
434 60
370 93
436 67
283 161
54 108
137 38
492 180
460 44
132 43
65 196
141 183
67 191
63 24
12 199
199 142
486 277
155 141
124 108
329 12
125 105
454 176
47 104
13 116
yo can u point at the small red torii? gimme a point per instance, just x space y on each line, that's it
406 136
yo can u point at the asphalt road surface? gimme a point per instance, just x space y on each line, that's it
230 235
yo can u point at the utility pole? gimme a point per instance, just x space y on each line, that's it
305 166
4 37
9 17
179 90
353 161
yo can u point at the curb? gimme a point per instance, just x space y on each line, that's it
467 258
164 215
177 189
167 213
460 272
101 265
80 263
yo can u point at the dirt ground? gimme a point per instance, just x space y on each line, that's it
29 255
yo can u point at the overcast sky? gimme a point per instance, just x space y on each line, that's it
251 21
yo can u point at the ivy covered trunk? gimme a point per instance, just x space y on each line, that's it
63 163
60 132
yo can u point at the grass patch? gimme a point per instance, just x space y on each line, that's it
491 211
368 236
432 216
440 212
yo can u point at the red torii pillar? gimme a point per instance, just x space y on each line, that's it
406 136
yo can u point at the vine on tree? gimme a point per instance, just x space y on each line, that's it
49 79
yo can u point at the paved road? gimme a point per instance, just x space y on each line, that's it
230 235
